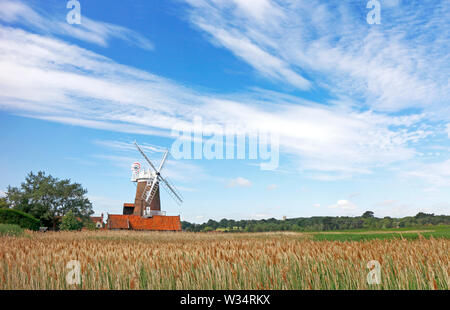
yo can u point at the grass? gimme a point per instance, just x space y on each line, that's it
10 230
385 234
418 227
150 260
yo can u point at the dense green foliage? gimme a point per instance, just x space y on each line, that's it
319 223
70 222
3 203
48 198
22 219
10 230
89 225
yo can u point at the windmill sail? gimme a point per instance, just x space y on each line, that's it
170 188
145 156
153 185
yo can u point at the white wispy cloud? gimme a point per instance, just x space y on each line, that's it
96 32
437 173
344 205
129 146
387 68
239 182
46 78
244 46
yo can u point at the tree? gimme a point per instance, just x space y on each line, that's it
368 214
387 222
422 215
48 198
4 203
213 224
70 222
89 224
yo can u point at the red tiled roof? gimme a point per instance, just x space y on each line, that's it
117 222
135 222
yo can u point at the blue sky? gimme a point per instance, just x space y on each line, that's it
361 110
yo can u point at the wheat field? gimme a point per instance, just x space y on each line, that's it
149 260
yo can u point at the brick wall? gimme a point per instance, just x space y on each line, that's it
134 222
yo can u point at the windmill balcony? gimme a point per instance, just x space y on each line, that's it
150 213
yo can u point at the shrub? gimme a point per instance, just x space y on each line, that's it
4 203
89 225
10 230
70 222
15 217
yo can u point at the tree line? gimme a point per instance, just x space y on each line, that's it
60 203
318 223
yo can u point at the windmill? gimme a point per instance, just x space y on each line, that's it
147 202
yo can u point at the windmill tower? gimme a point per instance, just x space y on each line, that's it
147 202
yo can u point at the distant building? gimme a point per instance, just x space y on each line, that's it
284 218
98 221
